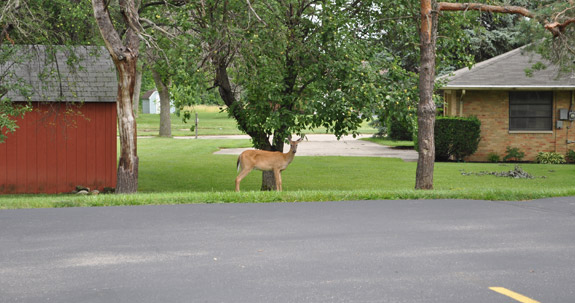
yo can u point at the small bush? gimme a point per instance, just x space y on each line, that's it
570 156
400 129
456 136
493 157
394 128
550 158
513 154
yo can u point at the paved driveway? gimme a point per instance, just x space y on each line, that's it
416 251
328 145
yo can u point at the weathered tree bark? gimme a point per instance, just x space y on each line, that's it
125 57
164 91
426 108
268 181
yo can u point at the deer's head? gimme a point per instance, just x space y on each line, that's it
293 144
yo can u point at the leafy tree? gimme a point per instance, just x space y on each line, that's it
122 37
392 30
125 52
285 67
159 57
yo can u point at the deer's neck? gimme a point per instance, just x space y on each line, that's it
289 155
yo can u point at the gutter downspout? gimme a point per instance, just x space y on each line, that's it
567 142
461 103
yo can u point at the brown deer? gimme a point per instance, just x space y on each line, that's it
266 161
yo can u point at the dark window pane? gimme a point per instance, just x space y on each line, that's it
531 110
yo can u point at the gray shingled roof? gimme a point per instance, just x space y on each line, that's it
90 78
507 71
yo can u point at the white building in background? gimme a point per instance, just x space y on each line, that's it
151 103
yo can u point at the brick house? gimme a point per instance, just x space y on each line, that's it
520 102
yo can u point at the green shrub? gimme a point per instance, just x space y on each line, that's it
513 154
570 156
400 129
395 128
456 136
550 158
493 157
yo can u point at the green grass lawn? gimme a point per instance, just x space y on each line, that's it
170 165
186 171
211 122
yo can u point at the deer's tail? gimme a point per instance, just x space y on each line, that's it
238 165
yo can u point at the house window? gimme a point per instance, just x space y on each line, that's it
531 111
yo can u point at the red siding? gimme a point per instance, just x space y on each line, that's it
58 147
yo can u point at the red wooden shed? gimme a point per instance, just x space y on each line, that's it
69 138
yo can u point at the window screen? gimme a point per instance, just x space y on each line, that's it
531 111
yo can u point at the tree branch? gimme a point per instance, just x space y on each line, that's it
447 6
111 37
555 28
256 14
146 5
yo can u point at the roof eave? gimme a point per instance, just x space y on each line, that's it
509 87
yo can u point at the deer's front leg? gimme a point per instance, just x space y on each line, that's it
278 177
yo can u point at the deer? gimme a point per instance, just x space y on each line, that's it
266 161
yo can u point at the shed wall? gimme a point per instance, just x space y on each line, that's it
59 146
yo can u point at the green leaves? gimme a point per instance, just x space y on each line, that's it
9 113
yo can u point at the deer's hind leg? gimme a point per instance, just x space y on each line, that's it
243 173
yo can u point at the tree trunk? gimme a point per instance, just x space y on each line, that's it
137 88
124 53
268 181
128 165
426 108
165 118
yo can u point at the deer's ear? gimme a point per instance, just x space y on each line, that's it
289 137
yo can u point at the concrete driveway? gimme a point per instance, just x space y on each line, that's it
328 145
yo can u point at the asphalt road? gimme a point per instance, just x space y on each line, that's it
367 251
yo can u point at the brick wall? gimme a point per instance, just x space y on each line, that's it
492 108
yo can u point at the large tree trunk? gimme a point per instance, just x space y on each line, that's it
125 54
165 119
426 108
128 164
